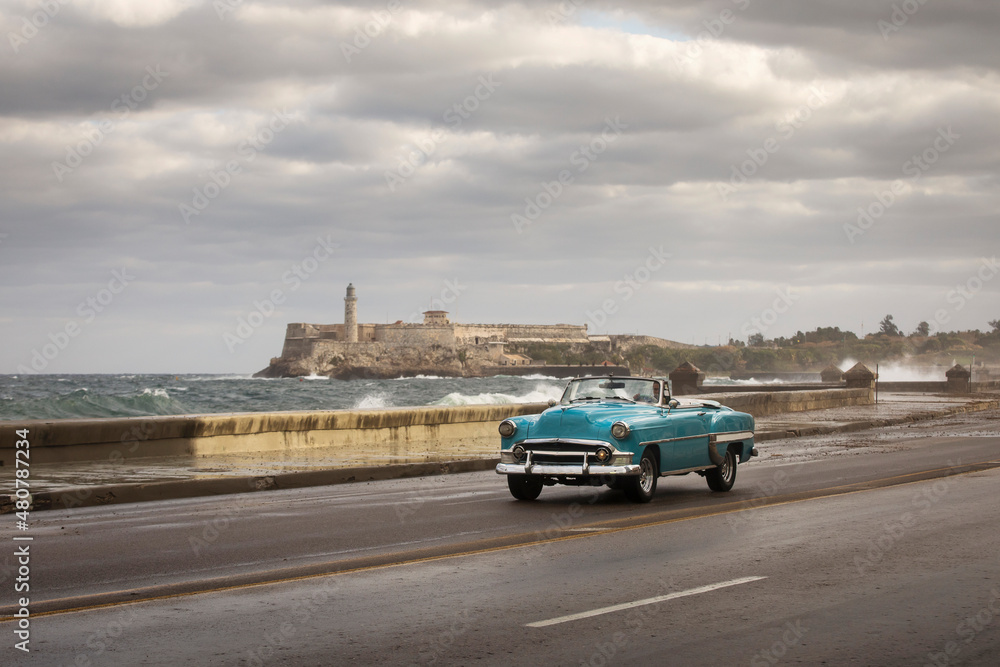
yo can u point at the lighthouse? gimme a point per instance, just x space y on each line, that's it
351 315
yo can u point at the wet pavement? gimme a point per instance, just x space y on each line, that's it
892 408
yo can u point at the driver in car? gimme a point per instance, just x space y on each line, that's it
645 398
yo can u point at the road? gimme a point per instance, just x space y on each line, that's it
878 558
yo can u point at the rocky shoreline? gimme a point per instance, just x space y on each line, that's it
290 369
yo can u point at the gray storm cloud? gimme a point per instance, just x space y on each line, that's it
846 152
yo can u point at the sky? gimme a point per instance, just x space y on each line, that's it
182 178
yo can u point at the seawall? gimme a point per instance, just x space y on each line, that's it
429 433
766 403
462 431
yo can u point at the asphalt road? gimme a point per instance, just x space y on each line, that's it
884 557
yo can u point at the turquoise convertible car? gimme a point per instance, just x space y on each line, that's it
624 432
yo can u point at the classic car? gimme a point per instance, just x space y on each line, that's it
623 432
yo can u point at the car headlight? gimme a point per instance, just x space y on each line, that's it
620 430
602 455
507 428
518 452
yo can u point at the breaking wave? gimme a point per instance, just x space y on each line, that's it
134 395
540 394
83 403
374 400
729 382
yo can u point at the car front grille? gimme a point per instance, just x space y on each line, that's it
560 453
574 458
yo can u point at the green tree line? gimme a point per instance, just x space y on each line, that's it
805 351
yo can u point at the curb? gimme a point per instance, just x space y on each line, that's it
109 494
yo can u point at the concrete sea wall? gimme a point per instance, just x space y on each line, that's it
765 403
464 432
426 432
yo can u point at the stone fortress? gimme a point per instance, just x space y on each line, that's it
435 347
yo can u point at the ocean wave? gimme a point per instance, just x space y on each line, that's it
374 400
423 377
540 394
729 382
313 376
115 396
82 403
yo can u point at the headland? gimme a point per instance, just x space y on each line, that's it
438 346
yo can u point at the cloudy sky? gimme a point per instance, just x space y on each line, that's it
181 178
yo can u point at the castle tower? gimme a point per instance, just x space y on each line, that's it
351 315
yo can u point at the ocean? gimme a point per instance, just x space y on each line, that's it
87 396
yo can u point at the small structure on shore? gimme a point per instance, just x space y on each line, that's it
686 379
860 376
831 374
959 379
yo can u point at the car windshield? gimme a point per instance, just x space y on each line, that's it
625 389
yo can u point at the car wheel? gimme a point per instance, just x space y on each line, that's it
640 489
524 487
722 478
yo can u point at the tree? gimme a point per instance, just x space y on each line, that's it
923 329
996 326
756 340
888 327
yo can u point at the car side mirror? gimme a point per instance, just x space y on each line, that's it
553 402
673 403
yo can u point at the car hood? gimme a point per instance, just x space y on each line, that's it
587 420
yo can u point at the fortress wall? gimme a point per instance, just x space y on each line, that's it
304 330
297 347
305 348
467 333
416 335
343 348
629 341
570 331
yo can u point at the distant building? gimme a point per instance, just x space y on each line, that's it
435 346
483 342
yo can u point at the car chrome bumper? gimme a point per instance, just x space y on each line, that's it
563 469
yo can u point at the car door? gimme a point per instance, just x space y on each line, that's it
686 439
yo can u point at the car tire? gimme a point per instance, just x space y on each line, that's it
640 489
722 478
524 487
